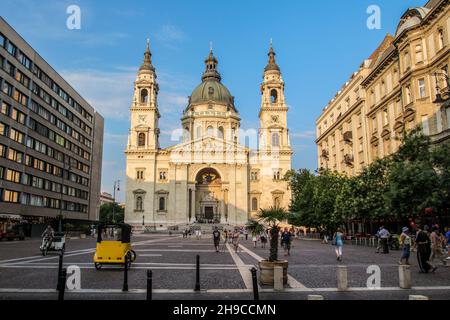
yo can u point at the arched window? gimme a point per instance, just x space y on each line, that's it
199 132
141 140
209 131
221 133
273 96
139 204
275 140
254 204
144 96
186 134
276 202
162 204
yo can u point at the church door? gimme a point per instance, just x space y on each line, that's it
209 213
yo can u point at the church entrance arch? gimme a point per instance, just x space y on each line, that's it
208 196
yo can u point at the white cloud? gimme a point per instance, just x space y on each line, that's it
170 35
309 134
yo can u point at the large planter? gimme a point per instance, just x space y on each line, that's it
266 269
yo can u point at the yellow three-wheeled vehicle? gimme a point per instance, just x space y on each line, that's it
113 245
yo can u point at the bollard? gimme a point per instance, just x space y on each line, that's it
315 297
62 285
415 297
125 276
149 285
278 284
342 283
404 276
255 284
60 266
197 275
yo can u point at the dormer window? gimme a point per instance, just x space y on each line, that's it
211 91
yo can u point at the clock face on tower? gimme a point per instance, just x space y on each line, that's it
142 119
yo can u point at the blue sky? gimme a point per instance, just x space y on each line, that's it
318 45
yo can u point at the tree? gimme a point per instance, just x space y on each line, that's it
106 213
272 217
302 185
440 157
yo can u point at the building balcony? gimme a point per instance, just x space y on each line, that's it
349 160
348 137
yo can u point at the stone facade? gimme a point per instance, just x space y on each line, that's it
209 177
394 90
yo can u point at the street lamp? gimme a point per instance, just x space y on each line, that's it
439 98
116 187
143 221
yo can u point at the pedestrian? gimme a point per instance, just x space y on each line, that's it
263 237
225 235
200 234
423 250
286 237
378 240
231 235
447 238
436 246
216 238
254 239
405 243
338 243
384 237
246 234
235 239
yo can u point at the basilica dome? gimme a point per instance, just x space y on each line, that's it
211 90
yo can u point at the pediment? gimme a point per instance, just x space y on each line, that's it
139 191
208 144
277 191
374 140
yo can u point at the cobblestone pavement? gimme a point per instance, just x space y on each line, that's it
24 273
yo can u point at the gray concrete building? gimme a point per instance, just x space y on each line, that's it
51 140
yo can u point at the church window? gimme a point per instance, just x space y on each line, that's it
277 175
273 96
141 139
144 96
163 175
254 204
209 131
139 204
254 176
276 202
275 140
140 175
162 204
221 133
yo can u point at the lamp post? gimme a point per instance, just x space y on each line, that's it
116 187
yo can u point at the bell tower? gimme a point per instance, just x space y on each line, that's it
144 131
273 133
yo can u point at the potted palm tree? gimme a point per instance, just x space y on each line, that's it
271 218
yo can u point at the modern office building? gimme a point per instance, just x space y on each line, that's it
403 84
50 140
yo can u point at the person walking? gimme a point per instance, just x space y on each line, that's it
246 234
216 238
286 238
423 251
436 246
378 240
384 237
447 238
338 241
235 239
405 243
263 238
254 239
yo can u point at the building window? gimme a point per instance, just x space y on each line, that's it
140 174
277 175
383 88
277 202
5 109
162 204
7 89
273 96
275 140
422 88
163 175
139 204
13 176
10 196
254 204
254 176
141 140
441 39
399 107
407 61
372 97
210 131
2 40
374 124
15 155
419 54
144 96
11 48
198 132
221 134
